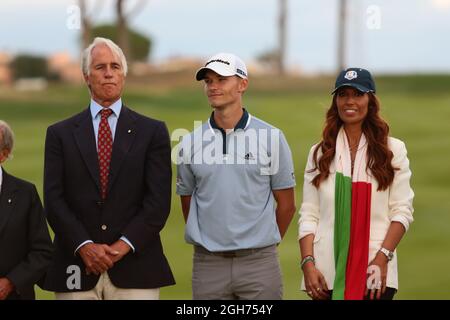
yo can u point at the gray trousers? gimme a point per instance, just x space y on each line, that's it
253 274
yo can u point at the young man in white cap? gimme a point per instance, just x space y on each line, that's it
236 182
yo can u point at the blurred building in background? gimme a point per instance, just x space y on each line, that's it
5 70
64 68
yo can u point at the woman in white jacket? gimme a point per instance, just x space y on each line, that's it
357 199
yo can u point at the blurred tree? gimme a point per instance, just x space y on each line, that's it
123 30
274 59
29 66
86 21
342 33
270 59
140 44
282 21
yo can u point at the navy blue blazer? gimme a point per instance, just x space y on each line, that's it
25 243
137 205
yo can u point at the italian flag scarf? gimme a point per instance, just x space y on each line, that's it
352 220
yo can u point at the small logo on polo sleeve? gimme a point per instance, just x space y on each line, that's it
350 75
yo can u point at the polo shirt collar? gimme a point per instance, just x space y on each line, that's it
242 123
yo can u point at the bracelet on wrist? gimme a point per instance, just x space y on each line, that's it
307 259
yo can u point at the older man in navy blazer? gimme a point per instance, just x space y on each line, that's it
25 244
107 189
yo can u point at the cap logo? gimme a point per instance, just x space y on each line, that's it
350 75
241 72
217 60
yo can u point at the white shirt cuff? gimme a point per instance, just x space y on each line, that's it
305 228
128 243
402 219
87 241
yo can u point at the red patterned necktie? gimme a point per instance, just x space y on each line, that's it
104 150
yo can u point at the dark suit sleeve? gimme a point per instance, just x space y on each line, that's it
61 218
40 249
155 208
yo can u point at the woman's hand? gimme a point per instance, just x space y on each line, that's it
315 284
378 285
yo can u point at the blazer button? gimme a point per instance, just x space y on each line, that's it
104 227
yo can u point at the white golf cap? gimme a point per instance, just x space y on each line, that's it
225 64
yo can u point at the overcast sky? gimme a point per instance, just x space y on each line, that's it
384 35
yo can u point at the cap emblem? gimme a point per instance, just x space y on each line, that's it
350 75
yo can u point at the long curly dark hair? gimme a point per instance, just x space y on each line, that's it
376 131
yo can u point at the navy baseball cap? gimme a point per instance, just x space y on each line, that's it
358 78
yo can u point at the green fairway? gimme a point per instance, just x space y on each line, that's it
416 107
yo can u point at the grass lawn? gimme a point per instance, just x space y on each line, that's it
416 107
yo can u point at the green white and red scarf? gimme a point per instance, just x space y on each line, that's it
352 220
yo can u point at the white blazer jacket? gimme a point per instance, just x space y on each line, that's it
393 204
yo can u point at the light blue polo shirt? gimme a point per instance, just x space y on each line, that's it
230 177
